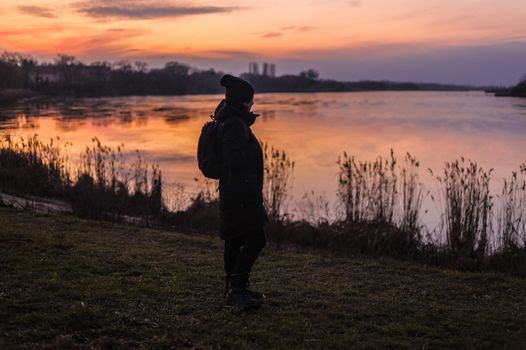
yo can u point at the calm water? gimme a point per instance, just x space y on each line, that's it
313 128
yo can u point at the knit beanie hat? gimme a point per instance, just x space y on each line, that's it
237 90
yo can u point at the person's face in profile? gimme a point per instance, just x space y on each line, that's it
249 104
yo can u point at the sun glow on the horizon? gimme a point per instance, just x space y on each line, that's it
251 28
236 32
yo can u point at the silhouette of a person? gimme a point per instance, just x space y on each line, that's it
241 210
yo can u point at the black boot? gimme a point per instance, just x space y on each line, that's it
239 295
253 294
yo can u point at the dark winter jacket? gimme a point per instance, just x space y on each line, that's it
241 207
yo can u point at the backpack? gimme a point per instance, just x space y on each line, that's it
208 155
208 150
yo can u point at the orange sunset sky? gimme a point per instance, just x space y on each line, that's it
462 41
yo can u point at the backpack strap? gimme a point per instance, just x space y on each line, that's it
247 136
245 126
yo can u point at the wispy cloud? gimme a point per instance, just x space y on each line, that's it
113 41
305 29
271 35
106 43
297 29
285 30
129 9
38 11
230 54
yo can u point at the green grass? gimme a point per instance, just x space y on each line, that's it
72 283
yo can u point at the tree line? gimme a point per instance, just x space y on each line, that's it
519 90
68 76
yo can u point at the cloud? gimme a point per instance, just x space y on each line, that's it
143 10
272 35
38 11
230 54
285 30
355 3
98 45
305 29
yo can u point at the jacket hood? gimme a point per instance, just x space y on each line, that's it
225 110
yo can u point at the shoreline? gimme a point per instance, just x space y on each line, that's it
50 99
11 97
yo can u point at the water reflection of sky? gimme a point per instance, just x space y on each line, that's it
313 128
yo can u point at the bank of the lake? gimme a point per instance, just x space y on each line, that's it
10 97
518 90
73 283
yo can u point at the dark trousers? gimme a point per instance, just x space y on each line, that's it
241 252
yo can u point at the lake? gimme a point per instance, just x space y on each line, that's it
313 128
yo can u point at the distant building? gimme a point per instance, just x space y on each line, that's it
272 70
269 69
265 69
253 68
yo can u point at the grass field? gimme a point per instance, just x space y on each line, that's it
72 283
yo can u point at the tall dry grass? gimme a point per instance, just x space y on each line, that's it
381 190
468 210
367 189
314 208
101 185
278 172
381 202
28 165
413 194
512 212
